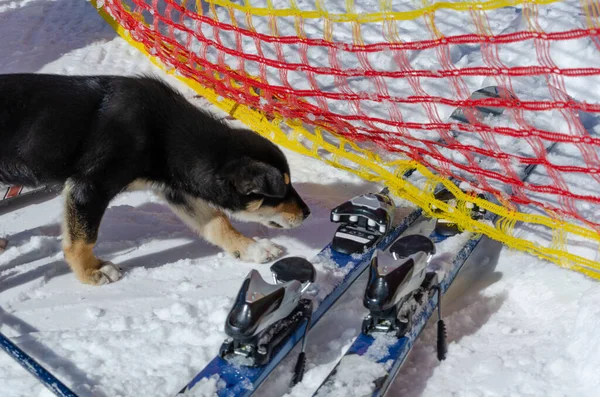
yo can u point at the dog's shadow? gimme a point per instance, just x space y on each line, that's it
126 228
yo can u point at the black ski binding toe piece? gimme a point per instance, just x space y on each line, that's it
264 315
365 219
396 278
293 268
411 245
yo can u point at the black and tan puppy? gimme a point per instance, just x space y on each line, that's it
101 135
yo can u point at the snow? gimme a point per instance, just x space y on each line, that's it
517 325
351 384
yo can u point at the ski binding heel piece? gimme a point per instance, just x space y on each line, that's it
395 279
364 220
263 314
444 227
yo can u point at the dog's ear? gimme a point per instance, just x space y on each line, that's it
252 176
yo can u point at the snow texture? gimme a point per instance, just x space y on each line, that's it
517 326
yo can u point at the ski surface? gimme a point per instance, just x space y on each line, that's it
243 381
396 350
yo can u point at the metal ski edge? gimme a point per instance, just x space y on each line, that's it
33 367
243 381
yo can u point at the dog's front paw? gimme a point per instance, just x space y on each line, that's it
108 273
261 251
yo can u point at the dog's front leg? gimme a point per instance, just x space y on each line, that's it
220 232
84 207
214 226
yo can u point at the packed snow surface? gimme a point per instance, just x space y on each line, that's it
517 325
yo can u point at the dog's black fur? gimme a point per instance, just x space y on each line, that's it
101 135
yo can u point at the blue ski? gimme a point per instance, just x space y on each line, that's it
368 348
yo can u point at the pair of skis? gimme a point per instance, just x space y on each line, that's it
374 235
240 380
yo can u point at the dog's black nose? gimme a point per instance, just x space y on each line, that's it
305 211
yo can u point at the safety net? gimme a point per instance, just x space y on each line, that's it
373 87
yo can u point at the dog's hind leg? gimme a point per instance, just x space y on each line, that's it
84 207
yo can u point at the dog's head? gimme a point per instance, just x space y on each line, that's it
265 190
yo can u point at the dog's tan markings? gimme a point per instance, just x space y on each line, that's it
286 207
286 178
3 244
83 262
78 252
220 232
289 207
290 211
78 246
254 205
213 225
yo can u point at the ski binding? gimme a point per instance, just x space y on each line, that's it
364 220
446 228
395 278
398 285
264 314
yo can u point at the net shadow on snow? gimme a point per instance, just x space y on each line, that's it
42 31
47 358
